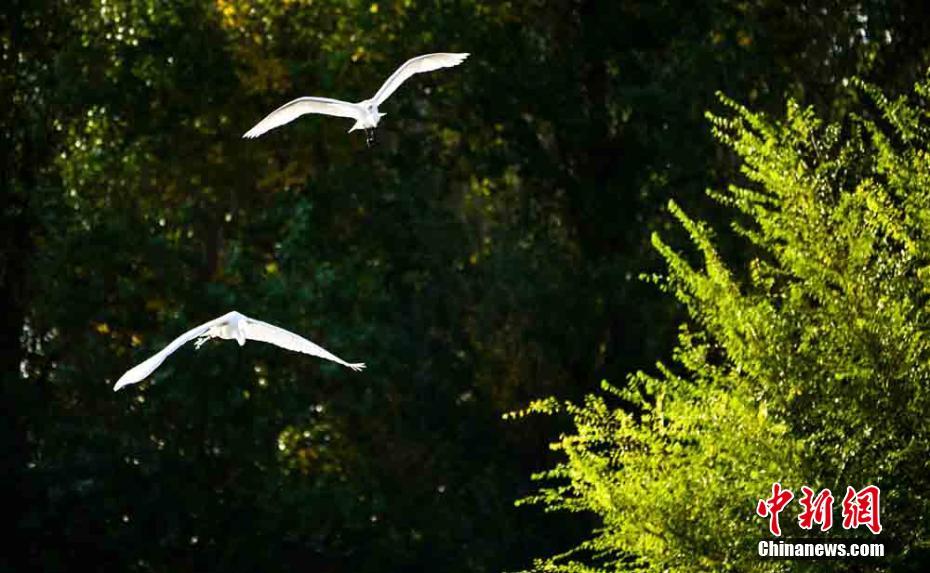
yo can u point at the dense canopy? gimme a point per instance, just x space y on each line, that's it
487 252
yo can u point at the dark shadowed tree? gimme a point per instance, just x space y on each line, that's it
485 252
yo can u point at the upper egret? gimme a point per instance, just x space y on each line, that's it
365 113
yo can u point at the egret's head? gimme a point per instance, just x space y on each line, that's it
374 116
240 336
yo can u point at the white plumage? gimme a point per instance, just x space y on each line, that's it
231 326
365 113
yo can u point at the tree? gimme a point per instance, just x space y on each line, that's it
808 365
471 257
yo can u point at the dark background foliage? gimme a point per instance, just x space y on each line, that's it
484 253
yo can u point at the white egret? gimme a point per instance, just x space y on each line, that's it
231 326
365 113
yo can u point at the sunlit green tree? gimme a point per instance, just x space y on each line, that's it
807 365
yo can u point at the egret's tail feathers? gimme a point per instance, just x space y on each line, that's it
357 367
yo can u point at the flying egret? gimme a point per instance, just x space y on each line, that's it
231 326
365 113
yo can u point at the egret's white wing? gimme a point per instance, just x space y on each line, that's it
264 332
417 65
140 371
303 105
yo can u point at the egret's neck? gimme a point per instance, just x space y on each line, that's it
233 329
237 328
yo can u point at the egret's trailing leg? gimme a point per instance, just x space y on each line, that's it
202 339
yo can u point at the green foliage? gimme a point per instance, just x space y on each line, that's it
806 365
483 253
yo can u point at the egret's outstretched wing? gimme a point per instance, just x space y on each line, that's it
303 105
258 330
140 371
417 65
